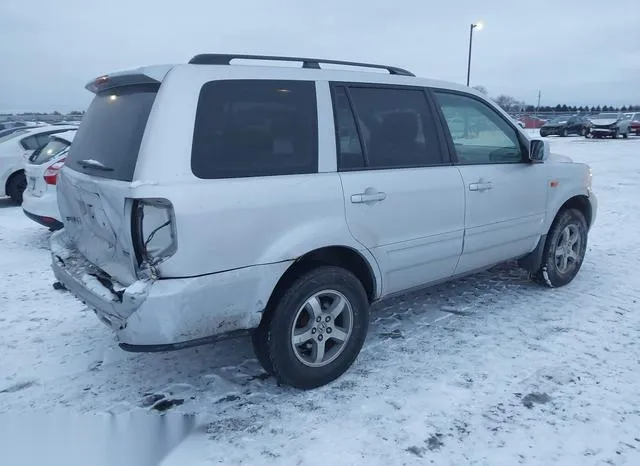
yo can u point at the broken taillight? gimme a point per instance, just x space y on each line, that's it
153 230
51 173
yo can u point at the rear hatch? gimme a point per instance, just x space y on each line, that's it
42 159
94 185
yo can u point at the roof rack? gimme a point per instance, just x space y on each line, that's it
314 63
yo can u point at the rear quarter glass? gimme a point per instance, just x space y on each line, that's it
111 132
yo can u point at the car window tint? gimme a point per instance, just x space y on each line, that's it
396 127
111 132
30 143
350 154
54 147
43 139
480 135
250 128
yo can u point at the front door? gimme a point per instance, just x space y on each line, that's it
505 193
404 201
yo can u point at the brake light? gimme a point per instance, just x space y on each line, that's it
51 173
153 230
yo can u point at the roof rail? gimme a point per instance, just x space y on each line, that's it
225 59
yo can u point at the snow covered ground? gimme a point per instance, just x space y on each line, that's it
489 370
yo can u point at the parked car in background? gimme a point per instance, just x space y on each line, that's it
40 202
565 126
15 149
634 123
160 218
609 124
532 122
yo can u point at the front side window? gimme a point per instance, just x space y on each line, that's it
396 127
480 135
248 128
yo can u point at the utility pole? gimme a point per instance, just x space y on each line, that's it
538 106
478 25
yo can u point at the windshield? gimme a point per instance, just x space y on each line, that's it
608 116
46 153
108 140
12 135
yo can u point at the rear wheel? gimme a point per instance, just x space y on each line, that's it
615 134
625 135
583 132
564 249
564 133
315 330
16 186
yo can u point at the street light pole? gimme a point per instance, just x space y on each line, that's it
478 25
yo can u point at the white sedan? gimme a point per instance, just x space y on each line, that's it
40 201
17 147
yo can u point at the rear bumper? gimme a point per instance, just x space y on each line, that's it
43 210
45 221
158 315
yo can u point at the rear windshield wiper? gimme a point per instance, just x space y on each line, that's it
94 164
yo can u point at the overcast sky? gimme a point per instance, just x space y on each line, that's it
577 52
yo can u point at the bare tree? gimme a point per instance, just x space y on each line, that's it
481 89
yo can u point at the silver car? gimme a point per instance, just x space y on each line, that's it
609 124
207 200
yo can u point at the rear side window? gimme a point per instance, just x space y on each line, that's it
248 128
395 126
54 147
108 140
30 143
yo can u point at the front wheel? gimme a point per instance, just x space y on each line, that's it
626 135
564 249
583 132
615 134
316 330
564 133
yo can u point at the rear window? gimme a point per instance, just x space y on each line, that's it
250 128
108 140
54 147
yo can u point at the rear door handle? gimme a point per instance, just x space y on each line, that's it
480 186
366 197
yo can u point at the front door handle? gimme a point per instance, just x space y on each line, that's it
367 197
480 186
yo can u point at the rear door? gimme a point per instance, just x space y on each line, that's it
505 194
404 200
93 185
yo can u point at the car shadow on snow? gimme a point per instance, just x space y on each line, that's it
6 202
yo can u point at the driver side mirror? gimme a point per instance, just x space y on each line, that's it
537 150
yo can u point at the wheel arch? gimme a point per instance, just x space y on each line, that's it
341 256
582 204
10 179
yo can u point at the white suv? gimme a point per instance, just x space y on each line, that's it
207 200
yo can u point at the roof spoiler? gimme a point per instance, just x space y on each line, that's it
146 75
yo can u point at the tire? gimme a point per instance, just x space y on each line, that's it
583 132
16 186
564 133
312 296
625 135
615 134
554 271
